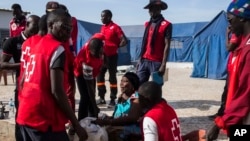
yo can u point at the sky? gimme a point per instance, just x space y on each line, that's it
129 12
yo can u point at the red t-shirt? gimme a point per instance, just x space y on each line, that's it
17 28
84 57
159 44
113 34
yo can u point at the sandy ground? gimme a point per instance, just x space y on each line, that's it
193 98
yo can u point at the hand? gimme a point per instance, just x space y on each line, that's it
162 70
81 133
213 132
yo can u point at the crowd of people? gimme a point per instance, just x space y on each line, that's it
48 68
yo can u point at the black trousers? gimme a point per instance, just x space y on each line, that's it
110 65
30 134
86 108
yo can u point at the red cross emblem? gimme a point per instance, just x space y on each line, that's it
30 68
176 130
25 55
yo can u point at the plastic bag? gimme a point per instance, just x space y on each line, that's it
95 132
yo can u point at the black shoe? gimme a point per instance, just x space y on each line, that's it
100 101
212 117
111 103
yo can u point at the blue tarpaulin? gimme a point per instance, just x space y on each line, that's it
202 43
210 54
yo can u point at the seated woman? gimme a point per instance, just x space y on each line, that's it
127 111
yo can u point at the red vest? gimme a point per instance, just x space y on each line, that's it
167 122
37 107
84 56
159 44
26 52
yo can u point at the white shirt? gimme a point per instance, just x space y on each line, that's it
150 129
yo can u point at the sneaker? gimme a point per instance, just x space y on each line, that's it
100 101
111 104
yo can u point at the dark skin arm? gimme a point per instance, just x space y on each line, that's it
59 94
132 117
21 81
123 42
6 65
162 68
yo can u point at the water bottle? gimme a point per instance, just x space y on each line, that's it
11 108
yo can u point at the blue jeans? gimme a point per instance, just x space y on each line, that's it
145 68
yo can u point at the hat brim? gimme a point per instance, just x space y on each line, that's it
163 5
49 10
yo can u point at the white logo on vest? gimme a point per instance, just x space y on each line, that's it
176 128
30 68
25 54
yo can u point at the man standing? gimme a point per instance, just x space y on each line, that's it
232 42
237 103
12 49
43 107
18 23
114 38
156 42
